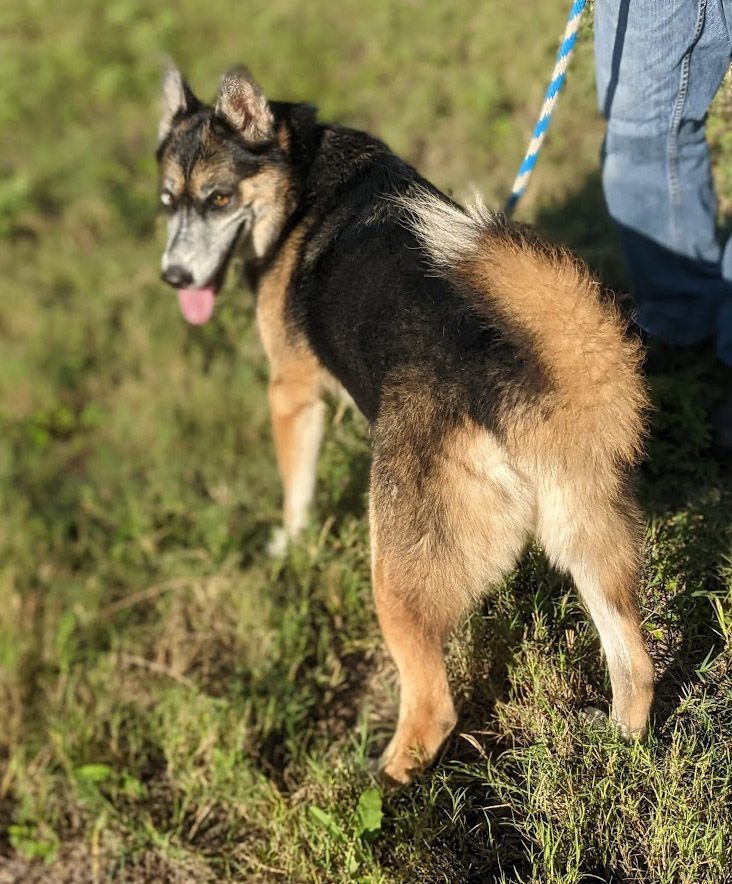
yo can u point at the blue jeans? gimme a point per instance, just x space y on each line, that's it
659 65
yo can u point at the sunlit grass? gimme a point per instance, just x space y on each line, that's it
175 705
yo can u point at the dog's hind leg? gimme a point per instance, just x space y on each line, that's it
297 425
448 518
596 537
415 640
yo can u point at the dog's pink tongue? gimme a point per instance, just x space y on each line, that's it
197 305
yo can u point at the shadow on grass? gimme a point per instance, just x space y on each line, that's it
581 223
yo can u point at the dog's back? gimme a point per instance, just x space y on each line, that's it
395 284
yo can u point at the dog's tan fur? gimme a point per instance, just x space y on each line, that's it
172 174
269 194
600 399
279 343
455 490
296 384
559 473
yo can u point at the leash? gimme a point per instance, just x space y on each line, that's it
547 109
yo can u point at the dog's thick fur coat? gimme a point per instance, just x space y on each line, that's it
504 397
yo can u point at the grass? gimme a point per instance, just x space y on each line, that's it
178 708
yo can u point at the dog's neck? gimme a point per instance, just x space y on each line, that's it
298 135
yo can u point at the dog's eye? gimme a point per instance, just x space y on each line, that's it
221 199
166 198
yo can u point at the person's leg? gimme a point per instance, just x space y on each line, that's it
724 321
724 329
659 64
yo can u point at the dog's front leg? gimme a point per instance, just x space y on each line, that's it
297 424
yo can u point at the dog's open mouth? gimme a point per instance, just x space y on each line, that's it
197 305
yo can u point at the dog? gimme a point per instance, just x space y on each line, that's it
502 389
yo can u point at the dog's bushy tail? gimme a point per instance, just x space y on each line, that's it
598 400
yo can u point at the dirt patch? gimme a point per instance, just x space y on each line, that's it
75 865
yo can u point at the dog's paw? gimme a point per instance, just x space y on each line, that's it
600 721
595 718
399 769
278 544
415 745
630 734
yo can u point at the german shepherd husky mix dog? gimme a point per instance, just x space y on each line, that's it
503 396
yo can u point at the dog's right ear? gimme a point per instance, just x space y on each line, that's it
242 103
177 99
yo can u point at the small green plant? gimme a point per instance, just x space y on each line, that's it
363 827
34 842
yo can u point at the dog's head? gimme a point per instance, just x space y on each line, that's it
224 181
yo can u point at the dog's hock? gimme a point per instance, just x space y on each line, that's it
242 103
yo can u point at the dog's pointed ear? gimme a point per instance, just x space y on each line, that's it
242 104
177 99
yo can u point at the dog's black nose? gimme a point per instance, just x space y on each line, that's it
177 276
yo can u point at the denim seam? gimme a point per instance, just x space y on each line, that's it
673 136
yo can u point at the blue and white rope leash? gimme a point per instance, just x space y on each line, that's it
547 109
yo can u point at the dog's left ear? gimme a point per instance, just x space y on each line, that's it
242 103
177 99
